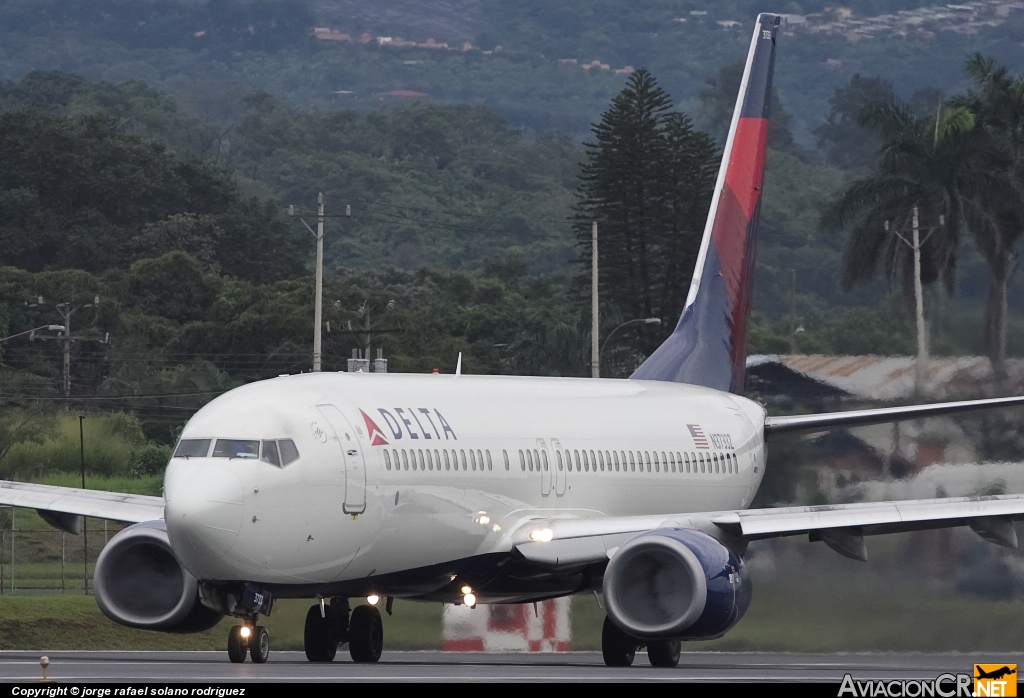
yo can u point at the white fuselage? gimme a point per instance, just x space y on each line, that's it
399 472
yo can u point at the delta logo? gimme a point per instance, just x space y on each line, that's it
408 423
995 680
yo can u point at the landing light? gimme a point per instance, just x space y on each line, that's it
469 600
541 535
373 599
484 520
466 589
245 632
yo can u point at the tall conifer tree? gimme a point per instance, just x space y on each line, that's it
647 181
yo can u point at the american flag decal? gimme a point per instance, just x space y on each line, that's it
699 440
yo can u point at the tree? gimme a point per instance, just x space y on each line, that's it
845 142
998 104
646 182
928 163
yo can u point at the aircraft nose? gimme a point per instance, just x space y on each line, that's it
203 505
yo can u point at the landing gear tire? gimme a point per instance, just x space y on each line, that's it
259 645
663 653
316 637
365 634
236 645
618 648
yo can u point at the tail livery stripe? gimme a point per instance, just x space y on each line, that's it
708 346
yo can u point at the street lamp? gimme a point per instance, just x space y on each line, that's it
52 328
627 323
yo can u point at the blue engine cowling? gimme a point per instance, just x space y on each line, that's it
139 582
676 584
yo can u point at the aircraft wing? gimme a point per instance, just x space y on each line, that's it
570 542
774 426
59 505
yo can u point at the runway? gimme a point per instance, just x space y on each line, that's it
213 667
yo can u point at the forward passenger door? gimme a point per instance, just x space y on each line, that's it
352 454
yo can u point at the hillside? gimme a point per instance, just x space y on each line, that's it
541 65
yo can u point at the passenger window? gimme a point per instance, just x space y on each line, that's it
422 465
465 463
480 458
193 448
647 457
529 461
447 461
632 463
664 461
405 460
522 461
640 461
600 460
672 461
657 466
579 466
558 457
505 453
490 466
237 448
616 455
544 457
430 461
593 461
472 459
437 459
536 459
387 459
269 454
586 463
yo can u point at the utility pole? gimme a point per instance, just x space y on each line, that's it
922 344
66 310
318 312
85 528
319 300
915 243
595 349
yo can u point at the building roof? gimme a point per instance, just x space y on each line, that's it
880 378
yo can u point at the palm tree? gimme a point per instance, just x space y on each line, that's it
998 105
930 163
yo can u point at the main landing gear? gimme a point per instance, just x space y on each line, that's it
330 625
619 649
250 639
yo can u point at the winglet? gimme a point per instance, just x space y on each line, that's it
708 346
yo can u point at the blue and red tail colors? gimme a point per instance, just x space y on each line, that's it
708 345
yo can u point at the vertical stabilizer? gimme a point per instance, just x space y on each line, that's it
708 345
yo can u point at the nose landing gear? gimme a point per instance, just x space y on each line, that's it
331 625
250 639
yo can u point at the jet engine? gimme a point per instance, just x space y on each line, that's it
139 582
676 584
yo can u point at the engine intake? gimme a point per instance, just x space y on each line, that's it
139 582
676 584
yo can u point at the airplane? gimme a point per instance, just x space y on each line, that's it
498 489
995 674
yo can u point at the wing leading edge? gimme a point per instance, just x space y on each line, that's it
841 526
52 502
774 426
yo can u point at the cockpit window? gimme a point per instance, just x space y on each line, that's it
270 453
288 451
236 448
192 448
